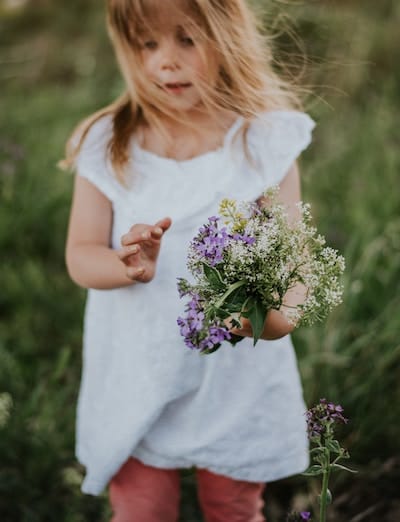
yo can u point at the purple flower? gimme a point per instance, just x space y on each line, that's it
210 242
249 240
198 332
305 515
322 416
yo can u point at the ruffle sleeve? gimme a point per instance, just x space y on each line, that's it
93 161
276 139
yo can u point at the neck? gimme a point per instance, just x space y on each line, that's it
197 122
185 139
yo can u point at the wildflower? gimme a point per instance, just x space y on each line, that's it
321 417
192 328
210 242
247 266
326 451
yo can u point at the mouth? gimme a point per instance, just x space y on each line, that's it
176 87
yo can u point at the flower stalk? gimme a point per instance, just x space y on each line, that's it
325 450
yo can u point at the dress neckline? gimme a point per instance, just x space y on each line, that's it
199 157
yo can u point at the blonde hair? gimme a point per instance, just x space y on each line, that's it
246 82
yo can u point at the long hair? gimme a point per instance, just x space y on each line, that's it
233 47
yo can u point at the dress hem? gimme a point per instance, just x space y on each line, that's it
259 472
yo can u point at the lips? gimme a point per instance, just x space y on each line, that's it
176 87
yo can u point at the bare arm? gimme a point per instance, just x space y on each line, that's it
276 324
91 262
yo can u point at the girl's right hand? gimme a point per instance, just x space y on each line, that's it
140 248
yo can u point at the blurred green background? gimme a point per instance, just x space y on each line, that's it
56 66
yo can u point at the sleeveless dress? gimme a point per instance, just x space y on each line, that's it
238 412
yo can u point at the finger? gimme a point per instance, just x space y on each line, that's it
143 232
135 236
164 223
243 332
135 273
128 251
159 228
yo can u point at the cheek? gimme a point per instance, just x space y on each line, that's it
200 68
148 65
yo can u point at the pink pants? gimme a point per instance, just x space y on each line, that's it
140 493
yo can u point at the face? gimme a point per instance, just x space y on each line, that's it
173 62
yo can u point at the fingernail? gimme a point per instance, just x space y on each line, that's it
158 230
132 248
145 235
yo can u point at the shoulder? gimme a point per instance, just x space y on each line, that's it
93 136
276 139
281 129
92 160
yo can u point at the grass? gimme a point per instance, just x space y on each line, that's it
55 70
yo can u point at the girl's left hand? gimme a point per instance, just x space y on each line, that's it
275 326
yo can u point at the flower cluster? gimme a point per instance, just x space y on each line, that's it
322 417
210 242
198 331
249 260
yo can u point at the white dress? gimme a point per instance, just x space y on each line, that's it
238 412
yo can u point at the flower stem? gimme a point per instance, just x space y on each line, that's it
231 289
324 495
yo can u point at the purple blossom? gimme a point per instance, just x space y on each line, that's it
322 416
305 515
249 240
198 332
210 242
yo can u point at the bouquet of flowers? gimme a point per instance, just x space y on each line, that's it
245 261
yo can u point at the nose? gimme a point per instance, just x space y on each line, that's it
169 59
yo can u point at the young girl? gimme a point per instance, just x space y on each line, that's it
204 117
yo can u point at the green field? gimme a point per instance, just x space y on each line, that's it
56 66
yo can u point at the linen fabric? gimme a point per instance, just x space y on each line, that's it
238 412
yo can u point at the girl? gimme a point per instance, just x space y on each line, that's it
203 117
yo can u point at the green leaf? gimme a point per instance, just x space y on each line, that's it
333 445
214 277
221 313
235 339
232 288
318 449
313 471
344 468
236 298
256 315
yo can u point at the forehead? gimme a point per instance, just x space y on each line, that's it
163 16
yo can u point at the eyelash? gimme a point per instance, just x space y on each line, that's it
151 45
